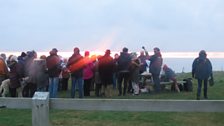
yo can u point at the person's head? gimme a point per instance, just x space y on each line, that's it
86 53
3 56
165 67
23 54
116 56
13 58
202 53
125 49
43 57
107 52
54 50
31 54
142 53
156 50
76 50
133 55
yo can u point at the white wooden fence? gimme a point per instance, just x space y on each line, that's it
41 103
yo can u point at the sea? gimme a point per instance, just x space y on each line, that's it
178 61
185 64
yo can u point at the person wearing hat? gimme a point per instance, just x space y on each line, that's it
54 69
202 70
155 65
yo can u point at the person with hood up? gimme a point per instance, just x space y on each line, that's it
202 70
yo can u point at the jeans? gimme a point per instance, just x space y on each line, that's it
200 86
53 86
80 82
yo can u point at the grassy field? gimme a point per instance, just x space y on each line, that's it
15 117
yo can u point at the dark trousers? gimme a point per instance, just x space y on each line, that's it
156 82
29 90
200 86
98 89
12 92
87 86
64 86
122 76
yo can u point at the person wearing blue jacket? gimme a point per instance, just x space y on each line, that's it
170 74
202 70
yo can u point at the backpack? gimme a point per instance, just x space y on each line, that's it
188 85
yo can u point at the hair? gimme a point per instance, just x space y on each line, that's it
76 50
86 53
125 49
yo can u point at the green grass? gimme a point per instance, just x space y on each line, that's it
15 117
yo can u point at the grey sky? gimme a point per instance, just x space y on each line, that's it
172 25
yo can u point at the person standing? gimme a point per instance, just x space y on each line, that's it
65 77
87 73
202 70
14 76
75 66
155 65
3 68
106 70
116 56
123 61
134 73
54 69
29 71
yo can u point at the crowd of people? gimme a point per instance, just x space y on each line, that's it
23 75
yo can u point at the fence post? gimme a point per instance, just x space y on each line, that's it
40 109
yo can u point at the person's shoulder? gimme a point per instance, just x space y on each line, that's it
196 59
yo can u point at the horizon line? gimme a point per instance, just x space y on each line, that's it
67 54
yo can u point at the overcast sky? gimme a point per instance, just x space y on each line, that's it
171 25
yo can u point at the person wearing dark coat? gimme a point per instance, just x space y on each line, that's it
54 69
123 62
106 70
75 65
28 68
14 76
155 65
202 70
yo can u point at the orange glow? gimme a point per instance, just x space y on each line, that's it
77 66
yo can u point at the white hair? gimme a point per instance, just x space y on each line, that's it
14 58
